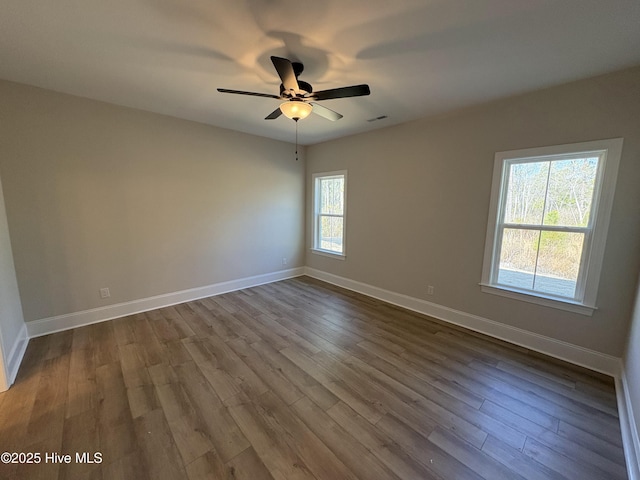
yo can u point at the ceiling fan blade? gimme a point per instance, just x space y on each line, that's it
253 94
273 115
286 73
325 112
342 92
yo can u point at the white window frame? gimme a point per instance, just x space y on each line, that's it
595 233
316 178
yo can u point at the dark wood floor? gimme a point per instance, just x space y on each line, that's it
303 380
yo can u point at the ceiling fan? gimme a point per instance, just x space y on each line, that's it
299 98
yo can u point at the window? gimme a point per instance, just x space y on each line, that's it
329 191
548 221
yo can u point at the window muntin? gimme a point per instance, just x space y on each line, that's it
547 226
329 212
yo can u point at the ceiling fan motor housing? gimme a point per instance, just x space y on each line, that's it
304 86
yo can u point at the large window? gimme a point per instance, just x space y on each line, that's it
329 191
548 222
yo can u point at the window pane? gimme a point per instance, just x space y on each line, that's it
518 258
526 193
331 233
571 185
559 263
332 195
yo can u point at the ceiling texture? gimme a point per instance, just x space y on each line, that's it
420 57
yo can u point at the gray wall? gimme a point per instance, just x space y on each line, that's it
103 196
418 198
11 320
632 365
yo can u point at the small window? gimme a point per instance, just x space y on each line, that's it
548 222
329 191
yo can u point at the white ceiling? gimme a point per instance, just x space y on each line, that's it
420 57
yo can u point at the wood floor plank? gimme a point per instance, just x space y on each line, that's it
158 447
247 466
290 322
42 470
269 374
187 428
82 388
517 461
163 328
103 343
197 323
212 313
277 455
301 379
583 455
123 330
176 352
81 436
222 430
579 414
420 412
229 327
207 466
469 420
269 331
48 413
178 324
569 467
421 380
353 453
566 389
59 345
146 337
379 443
472 457
18 403
370 408
114 421
424 451
132 362
592 442
130 466
142 399
234 367
221 381
296 375
319 458
519 423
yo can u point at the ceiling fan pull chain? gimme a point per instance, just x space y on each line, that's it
296 139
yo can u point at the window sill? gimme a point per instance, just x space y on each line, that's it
326 253
552 302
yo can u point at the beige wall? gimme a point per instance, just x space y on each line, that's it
103 196
418 198
11 320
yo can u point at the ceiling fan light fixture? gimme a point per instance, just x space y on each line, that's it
296 109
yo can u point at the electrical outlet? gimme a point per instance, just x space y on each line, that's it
104 293
284 260
430 290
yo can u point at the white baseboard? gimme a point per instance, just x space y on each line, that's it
14 359
575 354
628 426
45 326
